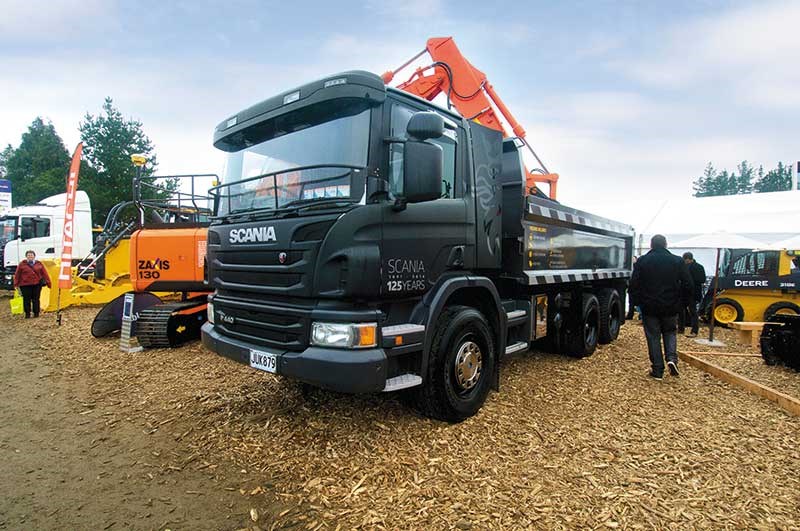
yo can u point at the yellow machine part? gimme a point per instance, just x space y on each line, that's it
754 302
91 290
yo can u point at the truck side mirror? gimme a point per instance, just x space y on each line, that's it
425 125
422 172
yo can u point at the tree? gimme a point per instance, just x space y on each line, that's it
743 183
109 140
702 184
5 155
38 167
777 180
713 183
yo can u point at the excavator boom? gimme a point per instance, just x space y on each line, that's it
470 92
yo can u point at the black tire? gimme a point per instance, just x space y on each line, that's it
768 352
447 394
611 315
582 340
729 302
782 305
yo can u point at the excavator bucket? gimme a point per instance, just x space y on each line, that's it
90 288
109 319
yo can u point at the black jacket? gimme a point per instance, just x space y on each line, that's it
698 274
661 284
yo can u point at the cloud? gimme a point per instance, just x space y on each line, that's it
37 21
406 8
748 53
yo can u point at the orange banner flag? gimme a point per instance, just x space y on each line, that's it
65 273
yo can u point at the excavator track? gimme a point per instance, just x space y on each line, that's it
171 324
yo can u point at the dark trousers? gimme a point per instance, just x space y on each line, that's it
30 296
656 328
689 317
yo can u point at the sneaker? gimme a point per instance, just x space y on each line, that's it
673 368
654 375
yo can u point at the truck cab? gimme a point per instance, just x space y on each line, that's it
366 240
39 228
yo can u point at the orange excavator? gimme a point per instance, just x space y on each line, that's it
167 238
468 90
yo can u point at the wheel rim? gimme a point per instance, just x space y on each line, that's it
725 313
468 365
785 311
590 329
614 320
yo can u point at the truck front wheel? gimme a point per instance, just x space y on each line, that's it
460 366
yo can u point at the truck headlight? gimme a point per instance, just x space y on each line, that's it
210 310
361 335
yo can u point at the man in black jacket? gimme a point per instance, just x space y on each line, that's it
689 315
661 286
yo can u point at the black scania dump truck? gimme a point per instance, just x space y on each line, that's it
366 240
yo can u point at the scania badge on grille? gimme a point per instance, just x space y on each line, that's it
252 235
282 258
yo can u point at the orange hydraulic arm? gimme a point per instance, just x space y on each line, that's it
470 92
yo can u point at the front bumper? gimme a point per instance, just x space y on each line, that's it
346 371
6 279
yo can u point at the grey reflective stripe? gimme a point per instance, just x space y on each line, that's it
535 279
577 217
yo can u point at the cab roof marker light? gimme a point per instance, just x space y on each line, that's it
231 122
289 98
334 82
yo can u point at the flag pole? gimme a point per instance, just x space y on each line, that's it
65 265
714 301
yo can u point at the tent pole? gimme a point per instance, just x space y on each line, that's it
713 300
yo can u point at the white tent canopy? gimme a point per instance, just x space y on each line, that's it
789 243
717 240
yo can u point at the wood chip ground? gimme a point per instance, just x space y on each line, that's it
566 443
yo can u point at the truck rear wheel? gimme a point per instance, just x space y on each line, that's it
460 366
610 306
582 340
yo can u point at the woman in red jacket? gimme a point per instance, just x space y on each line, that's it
29 278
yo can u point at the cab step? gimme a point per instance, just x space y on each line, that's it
516 317
403 381
516 347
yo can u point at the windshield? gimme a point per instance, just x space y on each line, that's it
8 229
306 155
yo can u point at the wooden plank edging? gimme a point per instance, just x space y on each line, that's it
790 404
724 354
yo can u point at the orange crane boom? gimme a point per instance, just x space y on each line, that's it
470 92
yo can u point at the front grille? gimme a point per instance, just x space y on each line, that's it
245 274
276 327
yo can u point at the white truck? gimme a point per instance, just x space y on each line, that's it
39 228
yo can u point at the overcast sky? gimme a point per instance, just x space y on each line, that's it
623 99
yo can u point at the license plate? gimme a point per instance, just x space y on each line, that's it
263 361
